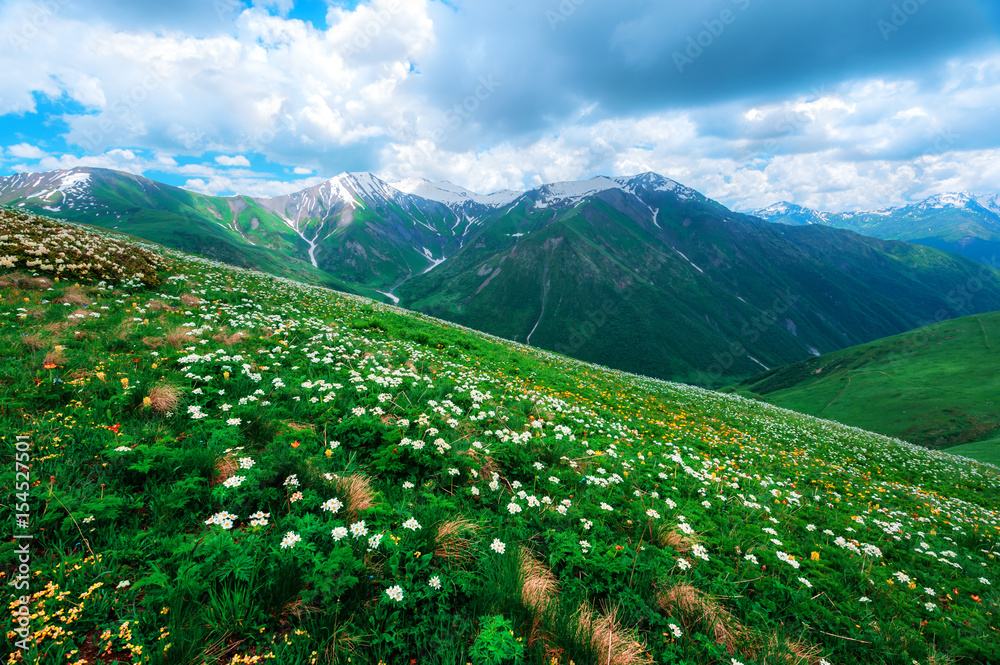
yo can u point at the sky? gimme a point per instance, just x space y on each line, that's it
831 104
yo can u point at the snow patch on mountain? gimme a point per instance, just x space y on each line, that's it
450 194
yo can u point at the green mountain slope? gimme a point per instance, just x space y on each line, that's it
956 222
702 295
936 386
638 273
224 467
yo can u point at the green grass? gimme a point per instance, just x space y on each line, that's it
984 451
225 467
935 386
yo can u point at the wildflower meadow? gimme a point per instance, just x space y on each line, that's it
203 464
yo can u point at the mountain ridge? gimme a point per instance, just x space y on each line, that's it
697 292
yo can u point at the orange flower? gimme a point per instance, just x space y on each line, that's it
976 598
49 365
295 444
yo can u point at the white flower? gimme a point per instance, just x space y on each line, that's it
411 524
246 462
358 529
332 505
683 564
233 421
585 546
395 592
513 508
290 539
235 481
498 546
675 629
605 506
929 591
123 584
810 527
374 541
864 599
930 607
652 513
408 485
259 518
339 533
435 582
553 479
292 480
983 580
751 558
805 582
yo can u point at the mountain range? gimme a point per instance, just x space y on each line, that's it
957 222
639 273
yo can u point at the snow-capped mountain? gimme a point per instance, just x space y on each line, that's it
454 195
960 222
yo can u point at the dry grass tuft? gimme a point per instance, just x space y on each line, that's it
357 492
227 340
226 467
153 342
178 337
190 300
164 398
539 587
668 536
694 606
33 342
57 327
614 644
74 295
772 648
453 540
56 356
157 305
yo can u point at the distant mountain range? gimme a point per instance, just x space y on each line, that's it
955 222
639 273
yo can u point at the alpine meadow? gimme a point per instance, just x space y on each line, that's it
445 332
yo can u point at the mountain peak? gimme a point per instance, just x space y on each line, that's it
452 194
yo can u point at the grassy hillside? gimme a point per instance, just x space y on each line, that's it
226 467
936 386
702 295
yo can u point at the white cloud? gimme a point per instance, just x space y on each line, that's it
377 89
25 151
237 160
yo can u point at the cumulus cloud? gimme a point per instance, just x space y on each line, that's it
237 160
513 94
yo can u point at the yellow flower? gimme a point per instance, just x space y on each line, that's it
125 382
100 375
146 402
814 556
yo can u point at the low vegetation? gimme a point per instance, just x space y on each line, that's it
228 467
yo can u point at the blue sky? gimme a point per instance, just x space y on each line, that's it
835 104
